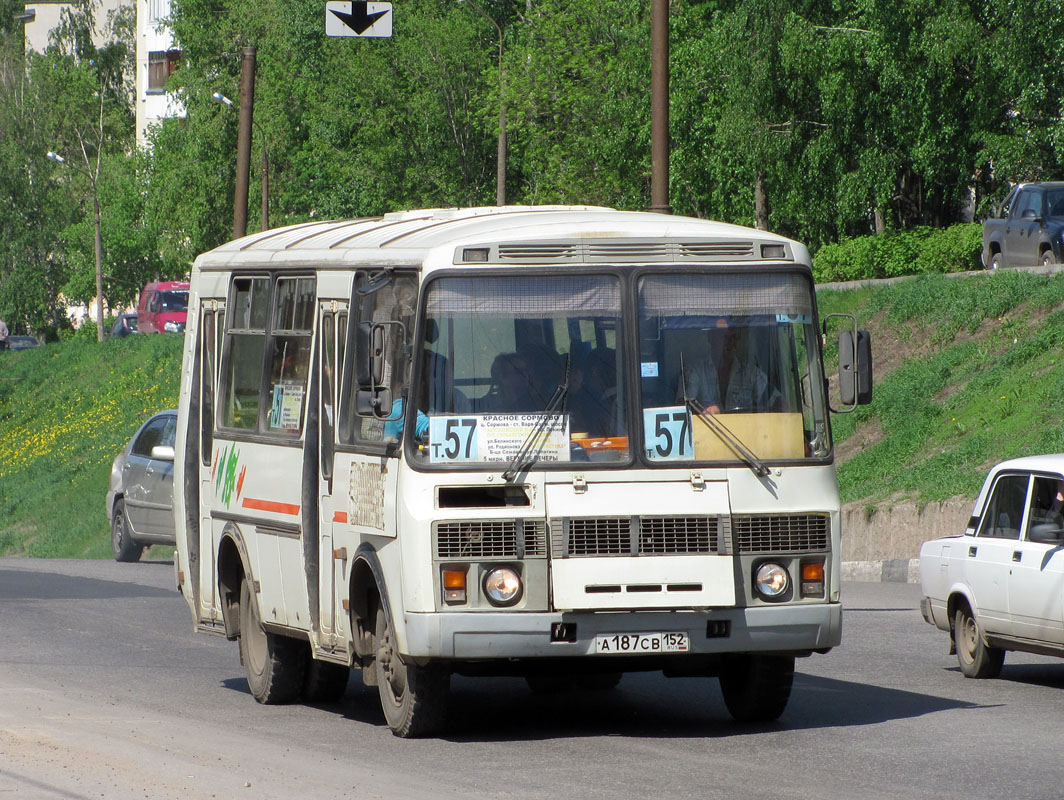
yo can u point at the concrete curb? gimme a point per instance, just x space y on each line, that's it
897 570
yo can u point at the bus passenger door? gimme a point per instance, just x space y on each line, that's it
211 321
333 318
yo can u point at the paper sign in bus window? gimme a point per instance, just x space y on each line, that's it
497 437
286 410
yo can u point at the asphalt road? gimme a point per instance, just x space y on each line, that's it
106 692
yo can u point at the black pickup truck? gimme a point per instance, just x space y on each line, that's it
1028 227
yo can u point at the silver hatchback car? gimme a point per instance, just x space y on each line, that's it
140 498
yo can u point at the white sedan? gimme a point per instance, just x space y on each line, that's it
1000 586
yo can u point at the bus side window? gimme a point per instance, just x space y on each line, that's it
245 334
288 352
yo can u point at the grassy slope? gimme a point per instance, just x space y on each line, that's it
65 412
968 371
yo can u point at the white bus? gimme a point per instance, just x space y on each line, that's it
553 442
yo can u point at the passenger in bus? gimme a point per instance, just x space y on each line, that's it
592 397
728 378
512 386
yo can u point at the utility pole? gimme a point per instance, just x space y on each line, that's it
243 142
500 149
659 106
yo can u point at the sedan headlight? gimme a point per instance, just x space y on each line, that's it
502 586
771 580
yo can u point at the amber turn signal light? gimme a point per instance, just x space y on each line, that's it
813 579
454 586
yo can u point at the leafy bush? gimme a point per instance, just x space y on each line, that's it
912 252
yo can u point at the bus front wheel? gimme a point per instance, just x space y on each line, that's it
413 698
273 664
756 688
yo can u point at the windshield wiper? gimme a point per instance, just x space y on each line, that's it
730 439
529 452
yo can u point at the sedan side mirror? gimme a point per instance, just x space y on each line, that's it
162 452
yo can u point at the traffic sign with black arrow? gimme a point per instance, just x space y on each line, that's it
355 18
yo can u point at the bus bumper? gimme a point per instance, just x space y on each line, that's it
501 635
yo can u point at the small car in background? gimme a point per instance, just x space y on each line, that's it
22 342
1000 585
163 307
140 498
124 325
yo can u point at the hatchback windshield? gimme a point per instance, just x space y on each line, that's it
730 363
526 368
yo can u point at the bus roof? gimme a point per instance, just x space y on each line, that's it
434 238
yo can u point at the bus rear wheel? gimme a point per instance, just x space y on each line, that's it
273 664
756 688
413 698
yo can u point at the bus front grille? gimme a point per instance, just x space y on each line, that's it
780 533
677 535
492 538
634 536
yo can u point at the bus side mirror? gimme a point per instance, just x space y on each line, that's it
369 354
855 368
372 398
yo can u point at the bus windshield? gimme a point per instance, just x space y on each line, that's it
527 365
730 368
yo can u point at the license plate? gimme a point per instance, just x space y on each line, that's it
642 643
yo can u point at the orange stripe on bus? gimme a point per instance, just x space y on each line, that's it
340 516
270 505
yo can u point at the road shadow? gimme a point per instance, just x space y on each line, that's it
1050 675
644 706
18 584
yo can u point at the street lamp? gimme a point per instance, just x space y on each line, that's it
222 100
99 239
500 158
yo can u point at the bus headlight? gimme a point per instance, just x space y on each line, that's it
771 580
502 586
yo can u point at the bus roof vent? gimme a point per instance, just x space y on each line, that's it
553 251
629 251
716 249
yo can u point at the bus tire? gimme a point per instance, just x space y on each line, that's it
413 698
324 682
273 664
122 544
756 688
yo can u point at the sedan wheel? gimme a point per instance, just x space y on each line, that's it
976 658
1047 259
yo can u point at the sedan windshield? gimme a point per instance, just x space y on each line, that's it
521 371
730 368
